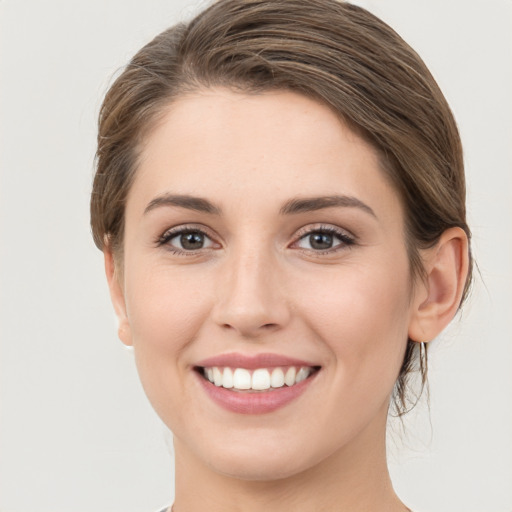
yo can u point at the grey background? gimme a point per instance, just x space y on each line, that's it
76 432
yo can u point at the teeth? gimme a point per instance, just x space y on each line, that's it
227 378
261 379
302 374
289 378
217 377
277 378
242 379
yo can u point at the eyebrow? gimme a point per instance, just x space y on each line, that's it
293 206
310 204
197 204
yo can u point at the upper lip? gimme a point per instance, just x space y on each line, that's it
252 362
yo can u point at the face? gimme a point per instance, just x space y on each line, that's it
264 249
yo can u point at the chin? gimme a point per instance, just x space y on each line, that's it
262 459
270 470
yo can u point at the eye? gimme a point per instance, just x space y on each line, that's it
186 240
190 241
326 239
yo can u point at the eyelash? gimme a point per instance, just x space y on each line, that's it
345 239
176 232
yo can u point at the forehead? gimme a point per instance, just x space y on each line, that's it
233 147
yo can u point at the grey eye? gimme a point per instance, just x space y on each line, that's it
322 240
190 241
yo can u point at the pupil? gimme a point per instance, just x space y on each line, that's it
320 241
192 241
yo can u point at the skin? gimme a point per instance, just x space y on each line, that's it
258 285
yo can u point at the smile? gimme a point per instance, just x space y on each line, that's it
255 384
259 379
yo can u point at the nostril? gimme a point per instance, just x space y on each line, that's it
264 326
250 317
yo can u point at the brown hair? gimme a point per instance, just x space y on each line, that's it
334 52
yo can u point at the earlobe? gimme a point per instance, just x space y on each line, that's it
439 295
117 297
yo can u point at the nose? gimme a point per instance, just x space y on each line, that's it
251 298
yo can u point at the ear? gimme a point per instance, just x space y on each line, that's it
117 297
437 298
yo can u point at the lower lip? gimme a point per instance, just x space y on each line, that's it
260 402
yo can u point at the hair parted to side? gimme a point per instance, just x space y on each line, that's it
334 52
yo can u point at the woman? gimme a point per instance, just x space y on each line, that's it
280 200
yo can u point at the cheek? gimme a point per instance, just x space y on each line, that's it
165 311
362 315
164 308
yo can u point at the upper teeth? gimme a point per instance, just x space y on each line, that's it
259 379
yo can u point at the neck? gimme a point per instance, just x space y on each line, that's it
354 479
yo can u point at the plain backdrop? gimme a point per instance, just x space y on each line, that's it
76 431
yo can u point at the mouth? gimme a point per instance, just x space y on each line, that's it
256 384
256 380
